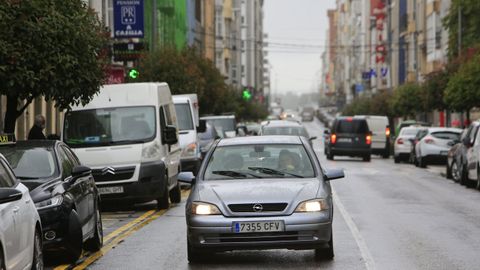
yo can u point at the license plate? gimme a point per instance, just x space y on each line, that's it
346 140
258 226
443 153
110 190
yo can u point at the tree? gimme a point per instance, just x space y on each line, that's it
462 92
406 100
50 48
470 25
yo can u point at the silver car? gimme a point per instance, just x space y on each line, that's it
266 192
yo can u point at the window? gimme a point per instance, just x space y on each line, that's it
6 179
31 163
65 163
184 116
198 10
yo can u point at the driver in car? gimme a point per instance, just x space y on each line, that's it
287 161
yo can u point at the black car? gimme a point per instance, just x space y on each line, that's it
64 193
349 136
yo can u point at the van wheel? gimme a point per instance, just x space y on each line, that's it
396 159
162 201
421 162
176 194
367 158
386 154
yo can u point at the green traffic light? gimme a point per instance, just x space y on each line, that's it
133 74
247 95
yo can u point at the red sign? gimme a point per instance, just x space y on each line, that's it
116 75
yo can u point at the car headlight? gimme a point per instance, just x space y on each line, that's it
316 205
52 202
204 209
190 150
151 151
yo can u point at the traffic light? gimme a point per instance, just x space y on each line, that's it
133 73
246 95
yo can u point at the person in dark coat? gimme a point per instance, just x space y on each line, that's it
36 132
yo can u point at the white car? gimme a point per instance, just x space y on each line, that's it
20 227
380 129
434 146
402 146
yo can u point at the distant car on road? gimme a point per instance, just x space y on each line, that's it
402 146
308 114
263 192
64 193
433 147
20 226
349 137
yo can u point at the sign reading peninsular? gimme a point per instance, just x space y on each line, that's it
128 18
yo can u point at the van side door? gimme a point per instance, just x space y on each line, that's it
172 152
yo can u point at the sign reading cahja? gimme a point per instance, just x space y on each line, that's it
128 18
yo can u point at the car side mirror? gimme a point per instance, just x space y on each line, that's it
326 132
186 177
79 171
334 174
170 135
202 126
9 195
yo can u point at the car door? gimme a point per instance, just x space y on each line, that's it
88 192
171 152
16 222
472 153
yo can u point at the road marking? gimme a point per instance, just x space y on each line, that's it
362 245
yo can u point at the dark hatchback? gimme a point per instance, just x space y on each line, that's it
64 193
349 136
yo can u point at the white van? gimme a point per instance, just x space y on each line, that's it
187 108
380 128
127 134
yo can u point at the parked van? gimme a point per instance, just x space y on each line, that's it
380 129
127 134
186 107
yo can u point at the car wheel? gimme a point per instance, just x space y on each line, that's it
396 159
455 172
463 175
386 154
421 162
176 194
194 256
477 185
96 242
330 156
367 158
37 262
2 260
162 201
448 171
325 253
74 240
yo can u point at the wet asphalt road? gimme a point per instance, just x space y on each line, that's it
387 216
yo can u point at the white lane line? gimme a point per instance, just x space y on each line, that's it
362 245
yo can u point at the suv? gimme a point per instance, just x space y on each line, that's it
350 136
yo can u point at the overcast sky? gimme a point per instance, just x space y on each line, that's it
304 24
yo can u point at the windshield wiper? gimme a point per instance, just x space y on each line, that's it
273 171
235 174
27 177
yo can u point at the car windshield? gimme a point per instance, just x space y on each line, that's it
109 126
31 163
259 161
446 135
294 131
184 116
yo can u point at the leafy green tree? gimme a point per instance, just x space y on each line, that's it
407 100
51 48
470 25
463 89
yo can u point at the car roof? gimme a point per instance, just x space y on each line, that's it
217 117
273 139
283 123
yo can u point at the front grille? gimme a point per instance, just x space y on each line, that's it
113 174
249 207
252 237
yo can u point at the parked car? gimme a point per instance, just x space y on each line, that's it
452 153
224 124
349 137
380 129
407 123
402 146
472 143
207 138
186 108
433 147
260 193
20 226
413 142
64 193
459 160
127 134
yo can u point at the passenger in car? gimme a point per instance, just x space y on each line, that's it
287 161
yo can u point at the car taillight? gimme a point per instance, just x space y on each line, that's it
400 141
368 139
333 138
429 140
387 131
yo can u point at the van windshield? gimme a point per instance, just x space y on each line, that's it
184 116
110 126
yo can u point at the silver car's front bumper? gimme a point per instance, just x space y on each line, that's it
302 231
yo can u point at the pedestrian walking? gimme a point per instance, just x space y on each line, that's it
36 132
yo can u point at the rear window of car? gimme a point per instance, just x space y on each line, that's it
446 135
292 131
409 132
353 126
